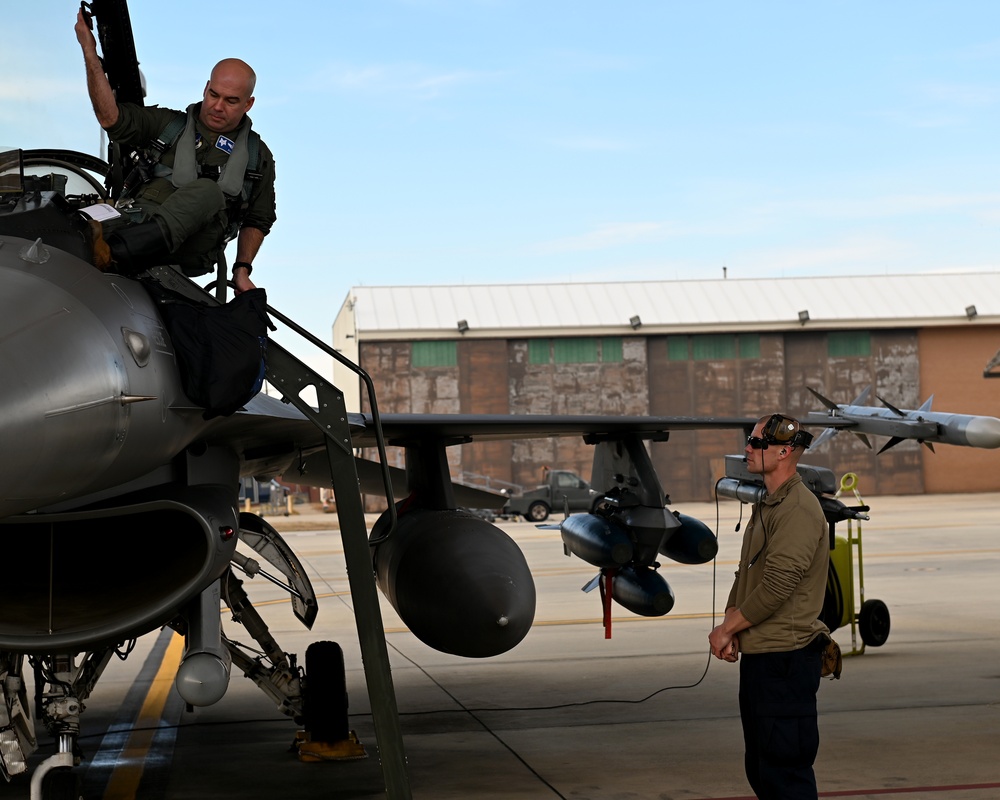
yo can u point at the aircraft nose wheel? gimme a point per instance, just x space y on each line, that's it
873 623
324 711
62 783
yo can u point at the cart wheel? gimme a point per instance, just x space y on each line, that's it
873 622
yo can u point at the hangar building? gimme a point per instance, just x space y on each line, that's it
685 348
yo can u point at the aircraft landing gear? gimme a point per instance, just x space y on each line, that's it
317 699
17 729
61 686
326 736
56 780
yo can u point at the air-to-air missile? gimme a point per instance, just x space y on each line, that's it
922 424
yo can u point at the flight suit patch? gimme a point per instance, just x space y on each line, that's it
225 144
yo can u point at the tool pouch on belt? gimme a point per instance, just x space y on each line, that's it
832 661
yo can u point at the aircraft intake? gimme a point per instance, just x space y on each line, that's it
460 584
76 580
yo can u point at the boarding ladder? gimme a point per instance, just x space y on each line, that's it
291 377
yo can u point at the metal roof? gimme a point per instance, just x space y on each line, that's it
748 304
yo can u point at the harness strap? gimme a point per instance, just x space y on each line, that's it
236 206
169 134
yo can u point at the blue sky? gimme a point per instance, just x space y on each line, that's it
501 141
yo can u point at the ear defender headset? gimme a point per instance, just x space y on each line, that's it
780 429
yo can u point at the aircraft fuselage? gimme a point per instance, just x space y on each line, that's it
91 392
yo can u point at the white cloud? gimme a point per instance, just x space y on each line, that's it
879 206
407 80
851 253
605 236
966 95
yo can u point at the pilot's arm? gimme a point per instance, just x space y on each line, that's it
247 244
102 98
256 224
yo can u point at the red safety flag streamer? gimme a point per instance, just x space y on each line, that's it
606 589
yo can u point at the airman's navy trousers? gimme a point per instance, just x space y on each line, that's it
780 730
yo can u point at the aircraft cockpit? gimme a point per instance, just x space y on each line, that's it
42 191
72 174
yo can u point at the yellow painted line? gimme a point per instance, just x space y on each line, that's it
124 781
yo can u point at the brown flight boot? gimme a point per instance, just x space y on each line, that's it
100 251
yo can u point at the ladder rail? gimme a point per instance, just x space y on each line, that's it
372 402
173 279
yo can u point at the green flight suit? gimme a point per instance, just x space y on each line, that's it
195 216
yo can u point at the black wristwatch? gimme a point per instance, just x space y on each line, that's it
245 264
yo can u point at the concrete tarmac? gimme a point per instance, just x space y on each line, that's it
571 714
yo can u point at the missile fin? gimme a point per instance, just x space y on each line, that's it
862 398
891 407
927 404
891 443
864 439
828 403
929 446
592 584
824 437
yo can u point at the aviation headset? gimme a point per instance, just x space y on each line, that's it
780 429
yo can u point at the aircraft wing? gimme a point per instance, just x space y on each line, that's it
400 428
277 439
267 420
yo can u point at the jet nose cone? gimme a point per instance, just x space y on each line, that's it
62 421
983 432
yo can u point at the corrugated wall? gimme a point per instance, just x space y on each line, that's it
653 376
606 387
483 381
775 380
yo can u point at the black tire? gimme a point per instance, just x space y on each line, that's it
324 695
873 623
61 783
538 511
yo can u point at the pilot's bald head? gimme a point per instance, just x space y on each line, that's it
228 95
236 69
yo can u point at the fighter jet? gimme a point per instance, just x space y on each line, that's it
119 501
119 509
